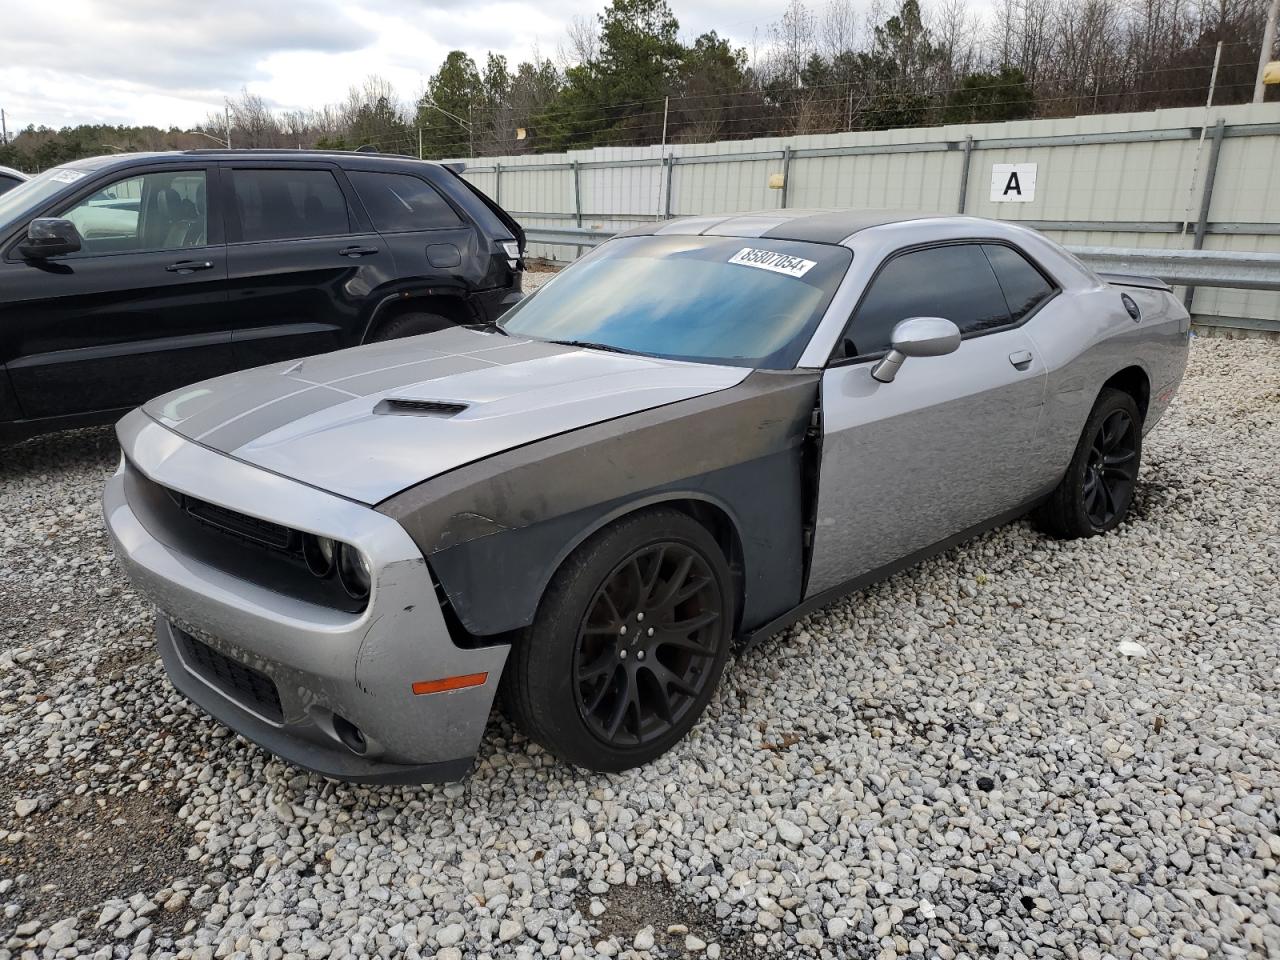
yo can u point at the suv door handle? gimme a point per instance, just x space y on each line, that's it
357 251
189 266
1020 359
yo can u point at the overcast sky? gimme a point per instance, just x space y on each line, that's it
166 63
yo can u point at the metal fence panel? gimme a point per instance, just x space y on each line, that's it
1116 180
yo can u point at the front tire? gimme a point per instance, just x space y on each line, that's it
1097 490
628 645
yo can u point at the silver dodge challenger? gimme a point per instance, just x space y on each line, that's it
689 439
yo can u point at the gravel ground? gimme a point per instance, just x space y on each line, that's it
1021 748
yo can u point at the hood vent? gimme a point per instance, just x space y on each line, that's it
419 408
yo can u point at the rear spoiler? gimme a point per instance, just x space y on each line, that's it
1134 280
507 220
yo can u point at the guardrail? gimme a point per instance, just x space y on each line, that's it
1194 268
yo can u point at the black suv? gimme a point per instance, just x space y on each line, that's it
126 276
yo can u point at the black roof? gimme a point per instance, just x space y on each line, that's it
818 226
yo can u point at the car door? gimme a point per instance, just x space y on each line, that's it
302 260
430 241
943 447
139 310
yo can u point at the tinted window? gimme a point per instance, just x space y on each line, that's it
749 302
954 281
1024 286
289 204
399 203
152 211
8 183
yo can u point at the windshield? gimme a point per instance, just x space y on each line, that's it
745 302
26 197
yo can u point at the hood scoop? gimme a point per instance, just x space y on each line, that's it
404 406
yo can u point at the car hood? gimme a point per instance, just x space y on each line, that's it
371 421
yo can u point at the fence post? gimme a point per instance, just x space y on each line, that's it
671 172
577 199
786 174
964 173
497 183
1206 198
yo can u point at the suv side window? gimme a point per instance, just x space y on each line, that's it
150 211
1025 287
399 203
954 281
289 204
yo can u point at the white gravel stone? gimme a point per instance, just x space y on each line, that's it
963 760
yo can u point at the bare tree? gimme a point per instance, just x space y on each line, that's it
253 124
581 44
794 41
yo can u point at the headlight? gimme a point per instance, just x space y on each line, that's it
353 571
318 552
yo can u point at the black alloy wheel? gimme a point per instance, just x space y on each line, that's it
1112 469
629 641
647 644
1097 489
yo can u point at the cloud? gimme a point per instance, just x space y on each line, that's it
157 62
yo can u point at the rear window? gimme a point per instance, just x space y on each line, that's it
399 203
289 204
1025 287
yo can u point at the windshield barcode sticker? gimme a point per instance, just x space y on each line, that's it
770 260
67 176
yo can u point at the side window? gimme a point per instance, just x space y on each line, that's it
152 211
399 203
289 204
1024 286
953 281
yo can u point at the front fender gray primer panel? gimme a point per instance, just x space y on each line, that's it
494 532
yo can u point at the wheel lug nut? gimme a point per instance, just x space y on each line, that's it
651 631
640 616
622 654
623 631
639 654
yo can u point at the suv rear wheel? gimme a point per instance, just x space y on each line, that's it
410 325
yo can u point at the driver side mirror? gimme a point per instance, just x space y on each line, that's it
917 337
49 237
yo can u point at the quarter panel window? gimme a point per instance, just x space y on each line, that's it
399 203
1024 286
953 281
151 211
289 204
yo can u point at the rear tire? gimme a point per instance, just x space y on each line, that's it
628 644
1097 490
410 325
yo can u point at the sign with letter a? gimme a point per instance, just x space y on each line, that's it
1013 182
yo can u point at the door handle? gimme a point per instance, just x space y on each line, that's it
189 266
357 251
1021 359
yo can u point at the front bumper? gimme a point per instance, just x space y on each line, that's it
325 668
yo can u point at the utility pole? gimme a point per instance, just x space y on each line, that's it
419 143
1268 48
226 113
665 165
4 129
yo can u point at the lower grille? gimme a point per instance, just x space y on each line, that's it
243 684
